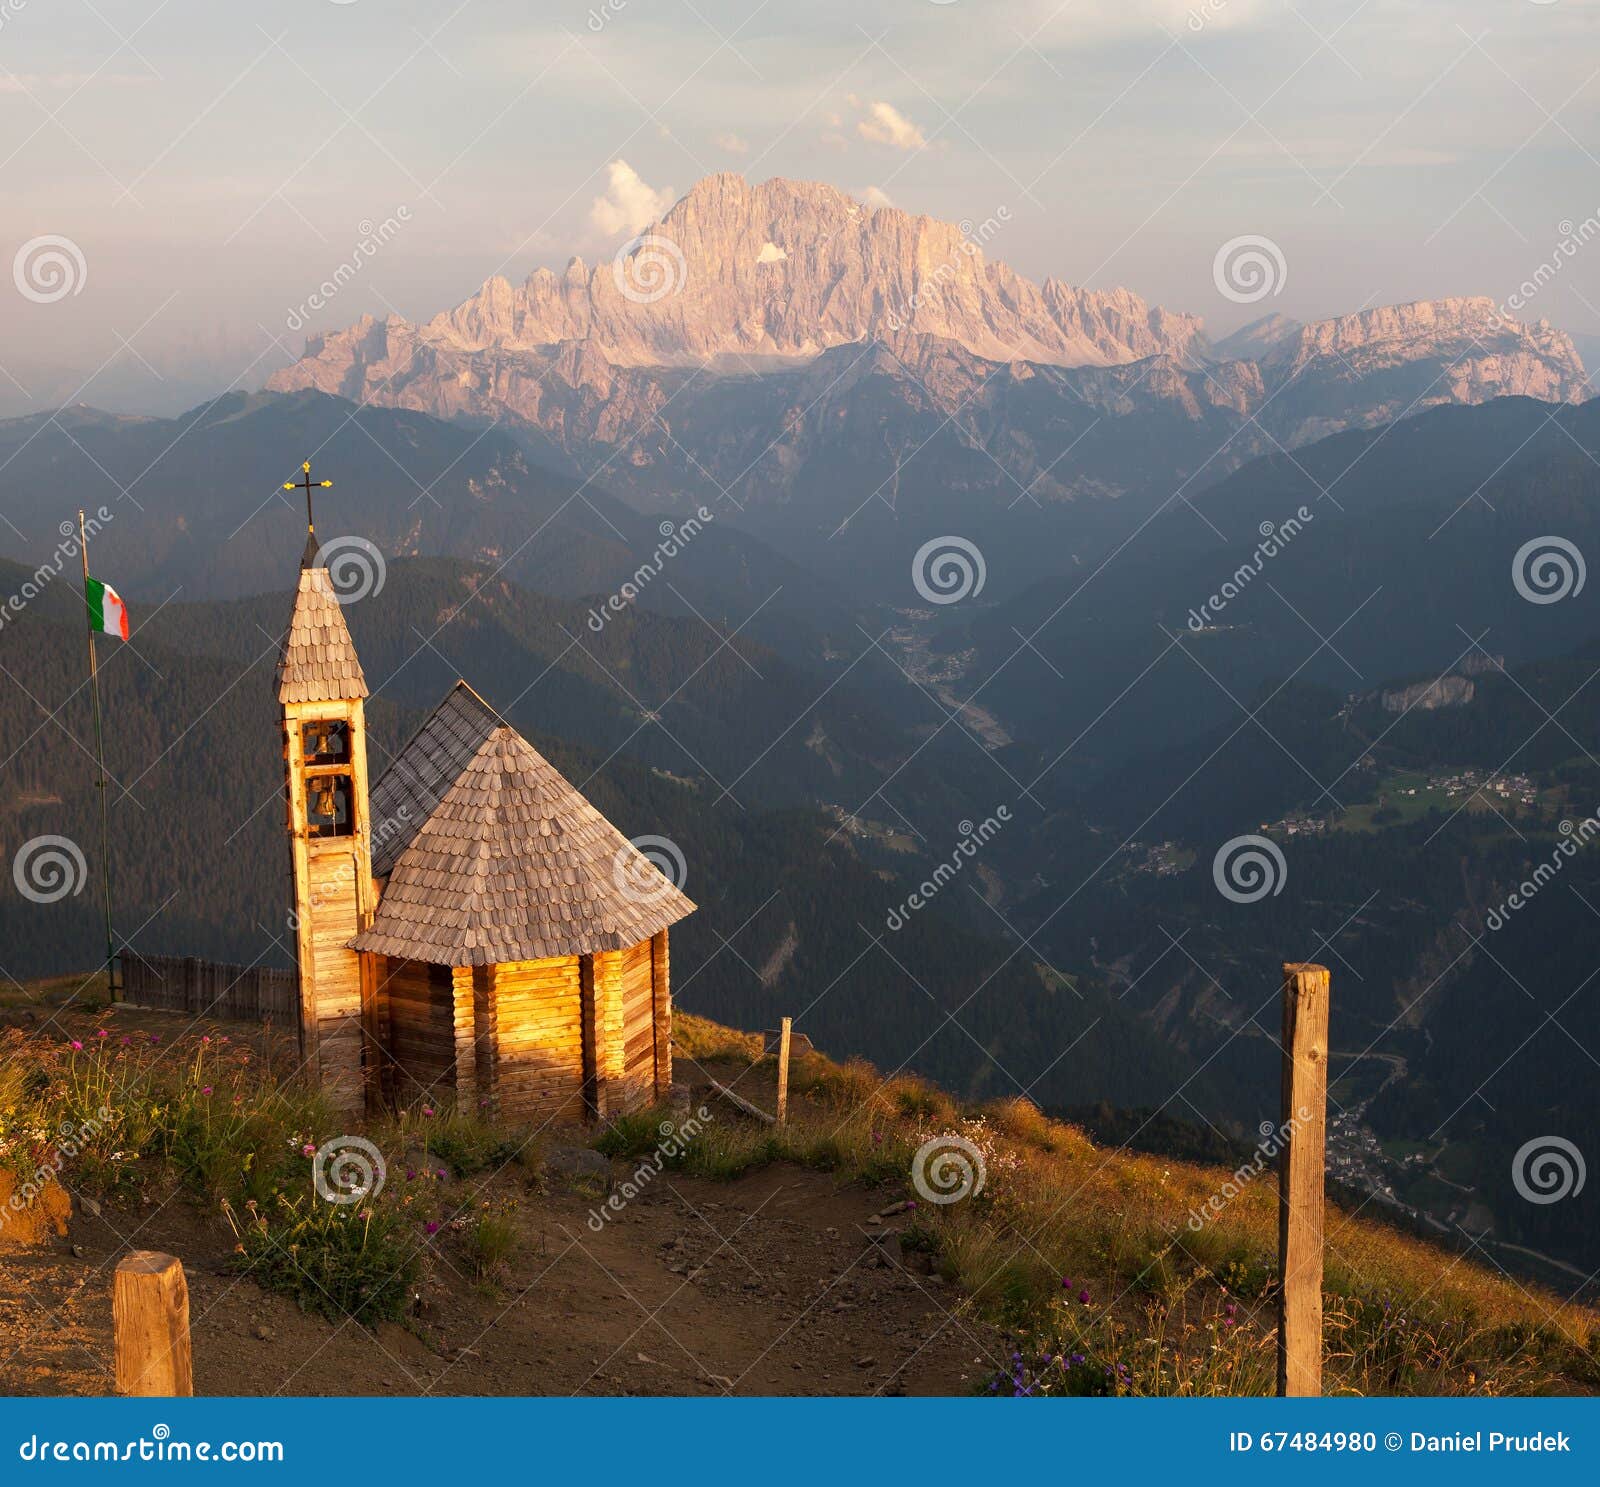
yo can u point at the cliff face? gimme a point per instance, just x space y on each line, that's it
1444 691
782 282
787 269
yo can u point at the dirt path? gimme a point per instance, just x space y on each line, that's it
763 1286
767 1285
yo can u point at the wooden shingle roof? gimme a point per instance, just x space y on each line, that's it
410 789
514 864
318 661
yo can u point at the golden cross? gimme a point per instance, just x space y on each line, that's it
307 484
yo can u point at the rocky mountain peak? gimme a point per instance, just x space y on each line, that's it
748 278
783 270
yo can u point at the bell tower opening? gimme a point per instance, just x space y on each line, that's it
329 778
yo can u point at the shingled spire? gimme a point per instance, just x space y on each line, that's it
318 662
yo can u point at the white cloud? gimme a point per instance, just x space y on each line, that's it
886 125
875 197
629 204
731 143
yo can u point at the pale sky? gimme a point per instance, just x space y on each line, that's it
211 163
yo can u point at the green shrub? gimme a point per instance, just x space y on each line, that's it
637 1134
467 1144
333 1259
492 1240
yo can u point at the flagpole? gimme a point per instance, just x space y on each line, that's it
100 758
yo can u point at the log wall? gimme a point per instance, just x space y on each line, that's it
638 1025
538 1039
422 1035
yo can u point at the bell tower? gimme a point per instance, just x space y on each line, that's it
322 692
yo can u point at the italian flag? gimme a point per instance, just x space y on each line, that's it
107 613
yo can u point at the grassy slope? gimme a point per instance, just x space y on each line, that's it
1086 1255
1180 1310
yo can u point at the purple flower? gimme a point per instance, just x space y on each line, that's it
77 1046
206 1090
102 1033
1083 1297
308 1150
432 1226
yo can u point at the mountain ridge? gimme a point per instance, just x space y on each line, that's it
825 367
740 277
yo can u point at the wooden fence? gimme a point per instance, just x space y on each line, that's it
179 983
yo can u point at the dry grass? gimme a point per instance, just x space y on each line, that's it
1178 1302
1090 1256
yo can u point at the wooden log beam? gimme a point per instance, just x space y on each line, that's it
742 1103
1302 1133
150 1316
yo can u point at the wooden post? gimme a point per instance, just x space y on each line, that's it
1303 1134
783 1070
150 1315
